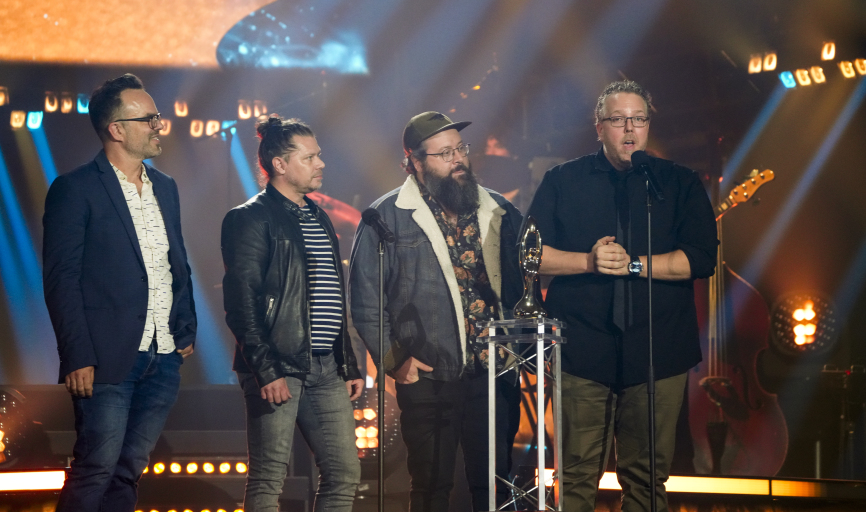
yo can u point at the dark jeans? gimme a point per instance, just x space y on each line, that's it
117 429
320 405
436 417
595 415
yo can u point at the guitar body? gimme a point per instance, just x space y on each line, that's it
737 427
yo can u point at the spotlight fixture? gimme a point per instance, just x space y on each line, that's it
260 108
860 66
787 79
803 324
174 468
4 96
66 102
817 73
83 104
207 467
828 51
770 61
240 467
158 468
225 467
51 102
166 127
34 120
181 109
803 77
196 128
191 468
245 111
211 127
847 69
755 63
16 120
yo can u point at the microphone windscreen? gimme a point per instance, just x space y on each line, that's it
639 158
370 216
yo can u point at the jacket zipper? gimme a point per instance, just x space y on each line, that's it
270 307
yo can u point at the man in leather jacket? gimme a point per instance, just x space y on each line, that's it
284 303
453 266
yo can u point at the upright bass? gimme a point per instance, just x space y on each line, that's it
737 427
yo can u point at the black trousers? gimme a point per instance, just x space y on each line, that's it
437 416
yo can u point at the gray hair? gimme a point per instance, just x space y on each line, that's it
622 86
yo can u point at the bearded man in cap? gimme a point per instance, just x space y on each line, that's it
453 266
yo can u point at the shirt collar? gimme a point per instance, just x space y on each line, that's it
122 177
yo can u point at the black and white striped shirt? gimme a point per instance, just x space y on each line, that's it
326 305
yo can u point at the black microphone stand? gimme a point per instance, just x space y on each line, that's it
652 189
380 377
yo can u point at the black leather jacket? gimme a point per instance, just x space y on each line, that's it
265 290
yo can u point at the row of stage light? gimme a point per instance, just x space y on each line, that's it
804 77
192 468
67 103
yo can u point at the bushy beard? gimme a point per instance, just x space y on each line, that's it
459 197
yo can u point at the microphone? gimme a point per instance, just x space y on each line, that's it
372 218
642 162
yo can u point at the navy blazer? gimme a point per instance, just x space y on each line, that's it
94 276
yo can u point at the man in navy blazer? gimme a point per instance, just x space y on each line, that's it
118 290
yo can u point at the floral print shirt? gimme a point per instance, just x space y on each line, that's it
479 300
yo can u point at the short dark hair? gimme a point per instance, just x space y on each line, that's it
105 101
622 86
277 139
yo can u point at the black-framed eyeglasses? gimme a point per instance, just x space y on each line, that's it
619 121
448 154
153 120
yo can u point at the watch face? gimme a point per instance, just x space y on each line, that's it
635 266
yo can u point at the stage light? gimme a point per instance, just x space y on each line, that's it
770 61
2 447
260 108
4 96
803 324
372 431
174 468
196 128
181 109
787 79
207 467
225 467
803 77
358 414
166 127
847 69
369 414
191 468
361 442
828 51
240 467
239 510
66 102
16 120
860 66
158 468
817 73
34 120
245 111
146 470
221 510
211 127
51 102
83 104
548 477
360 432
755 63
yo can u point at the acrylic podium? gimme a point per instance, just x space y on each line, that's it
517 338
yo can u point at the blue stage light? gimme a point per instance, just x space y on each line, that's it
34 120
83 104
787 79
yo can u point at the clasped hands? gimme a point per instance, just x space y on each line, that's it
607 258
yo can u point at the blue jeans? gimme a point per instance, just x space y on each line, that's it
321 408
117 429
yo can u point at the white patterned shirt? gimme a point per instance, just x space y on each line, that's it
153 241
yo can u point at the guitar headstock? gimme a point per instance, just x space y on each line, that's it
744 191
